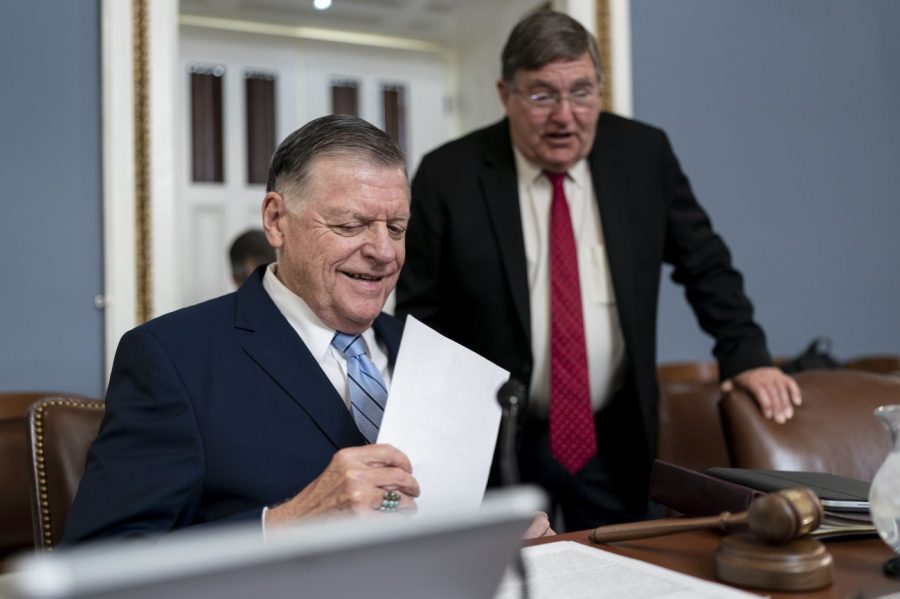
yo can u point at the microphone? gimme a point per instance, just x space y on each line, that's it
511 397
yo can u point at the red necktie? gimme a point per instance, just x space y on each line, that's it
572 437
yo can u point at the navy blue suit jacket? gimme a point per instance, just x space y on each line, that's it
212 413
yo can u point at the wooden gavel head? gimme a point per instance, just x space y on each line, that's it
772 555
775 518
785 515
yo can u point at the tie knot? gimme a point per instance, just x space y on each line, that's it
555 178
350 346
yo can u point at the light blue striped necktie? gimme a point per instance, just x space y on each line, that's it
368 393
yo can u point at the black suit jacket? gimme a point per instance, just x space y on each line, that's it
212 412
465 271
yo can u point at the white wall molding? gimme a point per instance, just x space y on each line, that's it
119 254
120 299
620 17
163 51
583 11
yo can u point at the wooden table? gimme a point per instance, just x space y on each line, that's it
858 562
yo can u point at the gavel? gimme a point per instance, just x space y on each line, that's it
776 518
772 555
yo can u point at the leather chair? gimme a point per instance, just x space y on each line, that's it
879 363
690 430
15 506
690 433
834 431
60 431
687 372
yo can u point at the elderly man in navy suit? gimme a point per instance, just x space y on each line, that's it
250 406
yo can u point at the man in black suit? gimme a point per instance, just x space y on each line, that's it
538 242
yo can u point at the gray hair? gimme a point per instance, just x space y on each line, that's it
544 37
335 135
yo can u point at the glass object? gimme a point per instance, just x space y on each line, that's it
884 496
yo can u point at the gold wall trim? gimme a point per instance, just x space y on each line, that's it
604 40
142 217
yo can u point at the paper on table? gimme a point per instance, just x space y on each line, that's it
571 570
442 412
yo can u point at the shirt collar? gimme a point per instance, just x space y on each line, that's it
313 332
529 171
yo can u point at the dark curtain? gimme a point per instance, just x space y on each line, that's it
345 99
260 102
395 114
206 128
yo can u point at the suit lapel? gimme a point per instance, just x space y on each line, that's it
389 330
609 184
278 350
501 195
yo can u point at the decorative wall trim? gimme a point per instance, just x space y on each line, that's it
119 261
620 56
604 40
143 219
122 154
610 22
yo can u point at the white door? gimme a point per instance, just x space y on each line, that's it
211 215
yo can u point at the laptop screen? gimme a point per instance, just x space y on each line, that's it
450 555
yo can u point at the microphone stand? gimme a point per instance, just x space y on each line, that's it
511 397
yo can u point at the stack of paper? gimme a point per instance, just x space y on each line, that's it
575 571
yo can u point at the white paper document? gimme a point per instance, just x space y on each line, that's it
574 571
442 412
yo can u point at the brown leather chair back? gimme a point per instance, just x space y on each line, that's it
15 504
834 431
61 430
690 431
687 372
879 363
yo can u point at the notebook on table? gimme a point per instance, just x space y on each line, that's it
837 493
693 493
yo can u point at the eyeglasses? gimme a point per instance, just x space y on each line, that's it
583 98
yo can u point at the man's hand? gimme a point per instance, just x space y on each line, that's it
353 483
539 527
774 391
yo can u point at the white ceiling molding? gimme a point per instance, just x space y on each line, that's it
312 33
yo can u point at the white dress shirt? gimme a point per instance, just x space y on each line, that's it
603 334
317 336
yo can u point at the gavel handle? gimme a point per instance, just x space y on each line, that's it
726 522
